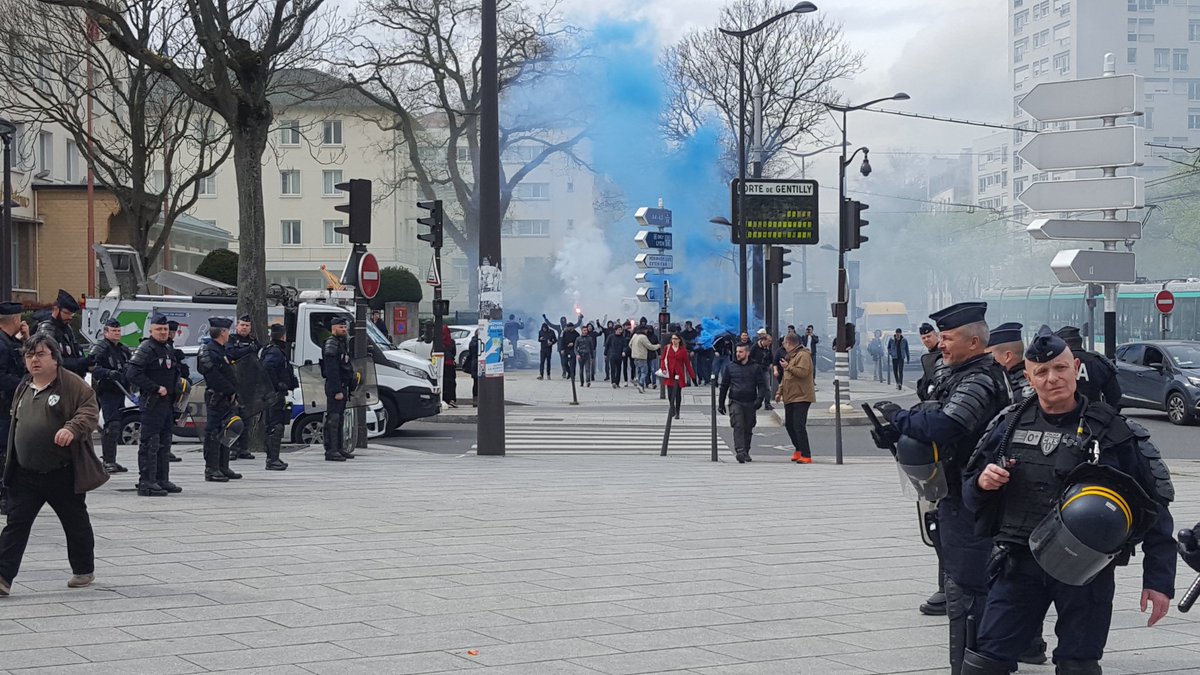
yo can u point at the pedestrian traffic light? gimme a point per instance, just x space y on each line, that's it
358 229
433 221
775 265
857 223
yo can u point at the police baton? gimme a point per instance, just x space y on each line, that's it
136 401
1189 598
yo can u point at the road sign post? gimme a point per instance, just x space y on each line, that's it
661 262
1164 302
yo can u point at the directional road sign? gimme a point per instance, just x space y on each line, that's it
1087 266
650 239
1164 301
648 294
653 217
1086 194
1092 98
777 212
655 261
1084 230
1084 148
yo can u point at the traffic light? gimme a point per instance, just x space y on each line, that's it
358 228
775 265
433 221
857 223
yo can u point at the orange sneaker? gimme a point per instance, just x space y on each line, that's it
804 460
796 456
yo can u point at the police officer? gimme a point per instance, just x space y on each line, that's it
12 369
339 376
58 326
152 370
1006 346
1189 546
1067 487
184 372
1097 375
107 362
241 344
932 366
276 358
950 423
220 401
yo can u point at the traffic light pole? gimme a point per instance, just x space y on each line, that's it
841 365
490 425
360 348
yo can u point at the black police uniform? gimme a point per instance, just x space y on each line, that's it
1018 386
12 370
338 372
108 360
74 358
239 347
152 366
932 369
954 418
1046 449
185 373
219 392
279 367
1097 376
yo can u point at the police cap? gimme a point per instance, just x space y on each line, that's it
157 319
926 328
959 315
1004 334
339 320
111 323
66 301
1070 334
245 318
219 322
1045 346
10 308
173 326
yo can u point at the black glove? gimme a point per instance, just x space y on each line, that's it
885 437
887 410
1189 548
721 410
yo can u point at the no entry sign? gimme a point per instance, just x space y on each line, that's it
1164 301
368 275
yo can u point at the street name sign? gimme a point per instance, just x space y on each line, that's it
650 239
1084 230
1085 194
1164 301
649 217
1090 266
782 211
656 261
1084 148
647 277
1091 98
647 294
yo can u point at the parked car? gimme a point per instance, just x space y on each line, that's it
1161 375
462 342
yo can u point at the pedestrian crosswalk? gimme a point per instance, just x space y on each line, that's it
556 438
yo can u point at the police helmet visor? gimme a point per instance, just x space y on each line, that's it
231 430
922 475
185 393
1063 555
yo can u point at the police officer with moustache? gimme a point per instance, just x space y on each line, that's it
153 371
220 401
184 372
1068 488
931 361
339 376
1006 346
58 326
1097 375
12 370
276 358
949 424
241 343
107 362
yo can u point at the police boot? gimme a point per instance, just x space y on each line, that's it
212 462
224 454
331 437
1065 667
109 438
935 605
959 610
976 664
148 469
274 440
239 451
1035 654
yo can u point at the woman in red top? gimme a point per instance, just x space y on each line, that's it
677 369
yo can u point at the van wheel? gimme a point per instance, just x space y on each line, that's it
393 414
131 428
309 430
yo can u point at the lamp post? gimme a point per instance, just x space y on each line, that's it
842 357
804 174
739 227
8 132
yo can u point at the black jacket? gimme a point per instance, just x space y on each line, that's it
153 366
743 382
12 369
279 367
547 338
107 363
73 357
336 367
213 364
616 346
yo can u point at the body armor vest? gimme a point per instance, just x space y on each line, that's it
1045 454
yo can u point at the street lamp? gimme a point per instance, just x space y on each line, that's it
741 35
842 357
8 131
804 174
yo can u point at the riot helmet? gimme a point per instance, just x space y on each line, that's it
231 430
185 392
922 474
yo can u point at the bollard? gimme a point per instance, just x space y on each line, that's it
837 419
667 430
714 419
574 396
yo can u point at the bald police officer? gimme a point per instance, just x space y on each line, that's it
1097 375
58 326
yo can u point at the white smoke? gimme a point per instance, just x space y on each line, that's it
592 283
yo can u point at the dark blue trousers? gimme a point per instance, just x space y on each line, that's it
110 435
158 418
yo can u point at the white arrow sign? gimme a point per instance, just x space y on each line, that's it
1084 148
657 261
1085 230
1091 98
1100 267
1086 194
647 294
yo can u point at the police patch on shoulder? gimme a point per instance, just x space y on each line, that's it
1026 437
53 400
1050 441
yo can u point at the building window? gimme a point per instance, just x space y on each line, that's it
1020 20
1041 67
333 238
1041 9
1041 38
1162 59
1131 55
525 228
531 191
330 178
289 132
1019 48
1018 185
1179 60
289 183
289 232
45 151
72 162
1062 63
520 154
157 181
331 132
1064 9
1062 34
1194 90
208 186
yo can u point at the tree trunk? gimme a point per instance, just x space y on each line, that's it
249 146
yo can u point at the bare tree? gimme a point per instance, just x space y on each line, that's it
138 122
419 60
242 46
796 61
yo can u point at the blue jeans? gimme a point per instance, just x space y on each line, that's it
642 373
720 363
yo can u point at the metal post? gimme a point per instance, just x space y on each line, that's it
757 253
804 269
574 395
837 422
438 347
1110 318
739 221
713 411
663 339
842 356
667 429
490 425
768 308
6 256
360 351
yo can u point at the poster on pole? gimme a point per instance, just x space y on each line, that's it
437 358
491 348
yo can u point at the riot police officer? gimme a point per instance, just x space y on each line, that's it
932 366
339 376
276 358
242 343
12 369
107 362
1006 346
949 424
220 402
1068 488
58 326
1097 375
153 371
184 372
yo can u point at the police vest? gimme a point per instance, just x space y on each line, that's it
1045 454
971 395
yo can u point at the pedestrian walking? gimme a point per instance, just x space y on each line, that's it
277 360
547 338
875 350
897 350
472 366
616 346
107 363
810 342
566 350
677 369
152 369
50 461
223 425
449 369
797 395
12 371
722 354
743 385
585 350
640 349
763 353
340 380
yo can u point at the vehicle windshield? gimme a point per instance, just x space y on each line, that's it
379 338
1185 356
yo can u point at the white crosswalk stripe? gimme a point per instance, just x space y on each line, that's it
550 438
